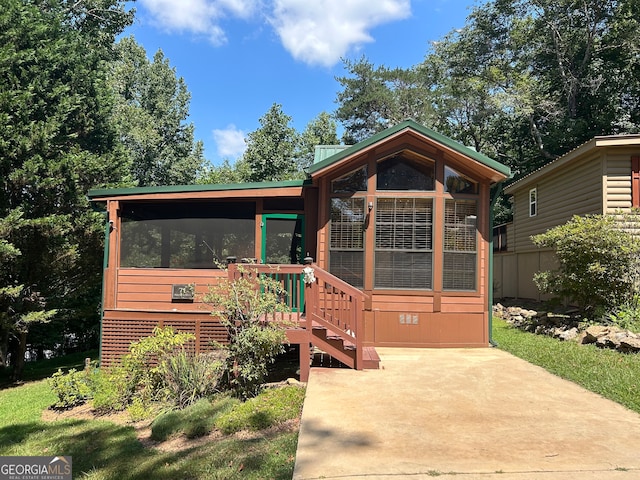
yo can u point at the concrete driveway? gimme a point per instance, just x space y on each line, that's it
464 414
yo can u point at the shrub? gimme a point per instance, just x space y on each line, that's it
241 306
113 390
598 262
147 360
142 374
72 388
627 316
190 377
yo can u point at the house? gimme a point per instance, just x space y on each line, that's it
397 227
601 176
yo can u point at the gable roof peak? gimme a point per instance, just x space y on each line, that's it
443 141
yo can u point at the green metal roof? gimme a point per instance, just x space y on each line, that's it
325 151
98 193
421 129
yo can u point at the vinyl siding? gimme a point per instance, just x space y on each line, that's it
618 182
576 190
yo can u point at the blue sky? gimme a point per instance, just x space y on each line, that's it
238 57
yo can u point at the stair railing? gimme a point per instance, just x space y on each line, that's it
318 296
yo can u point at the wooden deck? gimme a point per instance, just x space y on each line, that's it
325 315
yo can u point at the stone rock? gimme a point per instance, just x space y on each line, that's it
607 341
594 332
568 335
629 345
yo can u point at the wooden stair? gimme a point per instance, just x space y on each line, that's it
342 349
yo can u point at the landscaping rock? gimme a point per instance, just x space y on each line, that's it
594 332
629 345
566 326
567 335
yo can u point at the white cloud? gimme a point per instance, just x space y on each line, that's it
229 142
200 17
321 31
317 32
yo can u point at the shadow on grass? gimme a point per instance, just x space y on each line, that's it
107 450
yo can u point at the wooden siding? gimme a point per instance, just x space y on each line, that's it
149 289
571 191
617 182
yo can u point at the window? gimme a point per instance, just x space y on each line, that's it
455 182
352 182
346 240
401 173
460 245
635 182
161 236
500 238
403 246
533 202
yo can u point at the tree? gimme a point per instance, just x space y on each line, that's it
56 143
524 81
152 105
373 99
271 149
322 130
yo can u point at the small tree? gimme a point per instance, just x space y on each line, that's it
598 262
242 306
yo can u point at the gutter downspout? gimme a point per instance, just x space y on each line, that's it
490 296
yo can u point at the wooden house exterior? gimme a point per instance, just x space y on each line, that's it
397 225
601 176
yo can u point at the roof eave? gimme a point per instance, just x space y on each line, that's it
97 195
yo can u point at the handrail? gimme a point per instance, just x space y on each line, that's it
338 306
326 301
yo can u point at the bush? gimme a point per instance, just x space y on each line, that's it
72 388
598 262
113 390
254 344
190 377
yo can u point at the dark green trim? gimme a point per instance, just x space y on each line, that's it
427 132
96 194
285 216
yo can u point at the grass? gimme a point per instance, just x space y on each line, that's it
45 368
103 450
611 374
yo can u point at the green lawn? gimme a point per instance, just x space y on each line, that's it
104 450
611 374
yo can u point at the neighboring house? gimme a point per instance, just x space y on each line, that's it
397 225
601 176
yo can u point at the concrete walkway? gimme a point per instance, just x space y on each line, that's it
464 414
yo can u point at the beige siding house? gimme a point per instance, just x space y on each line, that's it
601 176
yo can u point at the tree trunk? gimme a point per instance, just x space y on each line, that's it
18 366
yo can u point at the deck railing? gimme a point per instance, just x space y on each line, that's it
318 297
339 307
